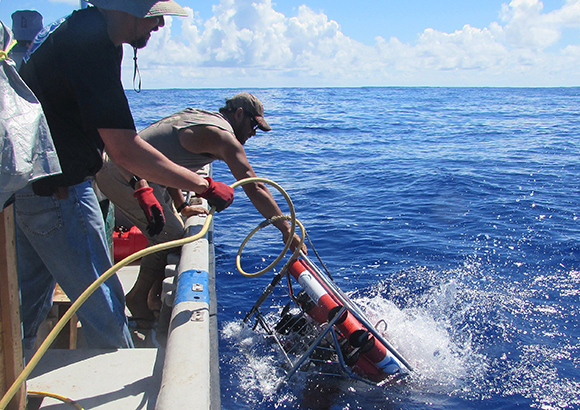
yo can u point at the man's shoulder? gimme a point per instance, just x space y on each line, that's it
199 117
198 112
86 25
89 14
81 35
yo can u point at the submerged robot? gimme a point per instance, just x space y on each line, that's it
321 330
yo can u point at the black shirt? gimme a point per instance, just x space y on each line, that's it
75 73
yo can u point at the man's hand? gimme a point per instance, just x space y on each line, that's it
190 210
151 209
295 242
218 194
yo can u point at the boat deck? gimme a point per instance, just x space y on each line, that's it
100 379
183 373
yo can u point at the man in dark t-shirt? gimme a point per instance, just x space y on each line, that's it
74 70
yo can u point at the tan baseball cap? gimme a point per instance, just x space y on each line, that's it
143 8
251 105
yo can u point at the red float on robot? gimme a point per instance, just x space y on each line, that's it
372 360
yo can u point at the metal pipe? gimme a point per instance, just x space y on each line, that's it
311 348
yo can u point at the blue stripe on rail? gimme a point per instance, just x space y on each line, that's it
192 286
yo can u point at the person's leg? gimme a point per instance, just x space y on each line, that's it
70 240
152 270
36 288
110 296
143 299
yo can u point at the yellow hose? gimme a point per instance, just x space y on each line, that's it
4 53
111 271
293 224
55 396
85 295
271 266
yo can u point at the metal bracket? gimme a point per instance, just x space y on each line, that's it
197 316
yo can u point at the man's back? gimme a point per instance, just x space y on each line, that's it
74 70
164 135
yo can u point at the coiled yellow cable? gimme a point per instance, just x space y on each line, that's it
293 222
271 266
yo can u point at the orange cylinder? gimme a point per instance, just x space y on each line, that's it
373 357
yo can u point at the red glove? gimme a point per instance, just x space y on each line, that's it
218 194
151 209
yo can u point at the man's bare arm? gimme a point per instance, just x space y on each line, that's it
224 145
182 206
129 151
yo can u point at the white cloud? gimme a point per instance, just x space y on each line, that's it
526 26
247 43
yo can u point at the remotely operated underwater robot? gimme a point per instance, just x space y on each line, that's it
320 330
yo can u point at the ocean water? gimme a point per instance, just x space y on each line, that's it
450 213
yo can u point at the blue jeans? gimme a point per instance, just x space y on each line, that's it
63 241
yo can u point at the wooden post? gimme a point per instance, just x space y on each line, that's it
11 362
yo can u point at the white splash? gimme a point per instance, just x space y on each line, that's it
441 358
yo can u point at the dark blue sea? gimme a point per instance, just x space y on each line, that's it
451 213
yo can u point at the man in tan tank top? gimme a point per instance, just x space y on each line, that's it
191 138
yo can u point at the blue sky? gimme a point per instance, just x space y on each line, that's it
265 43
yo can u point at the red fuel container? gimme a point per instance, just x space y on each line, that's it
126 243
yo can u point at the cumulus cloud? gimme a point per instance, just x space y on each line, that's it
526 26
247 43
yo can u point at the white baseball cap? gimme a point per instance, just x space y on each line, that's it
142 8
